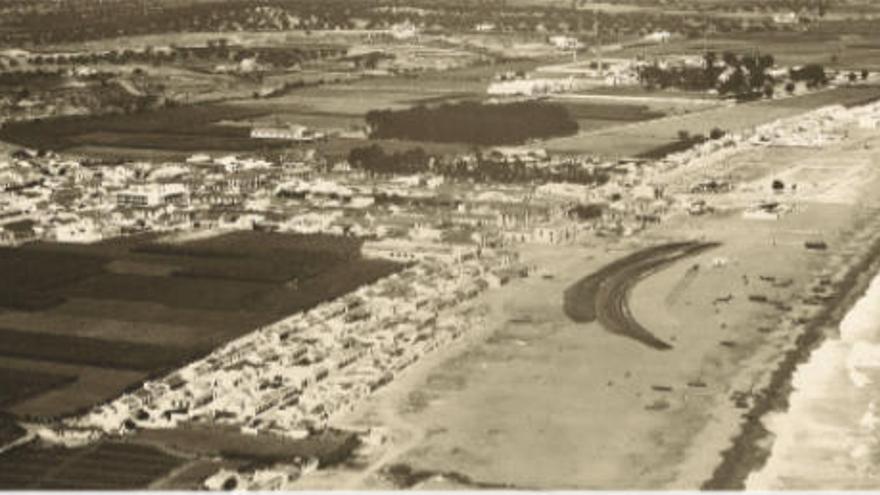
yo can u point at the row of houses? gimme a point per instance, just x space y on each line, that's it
290 377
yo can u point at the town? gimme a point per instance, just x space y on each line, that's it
293 245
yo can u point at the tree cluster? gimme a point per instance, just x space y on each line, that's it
731 75
474 123
375 161
79 20
485 168
813 75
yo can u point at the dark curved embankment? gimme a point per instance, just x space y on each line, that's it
603 294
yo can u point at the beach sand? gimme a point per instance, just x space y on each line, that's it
534 400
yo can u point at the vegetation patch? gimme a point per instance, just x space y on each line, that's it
475 123
89 351
30 275
17 385
185 128
107 466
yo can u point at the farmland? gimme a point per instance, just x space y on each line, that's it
838 49
329 447
649 137
225 127
105 466
189 128
124 310
17 385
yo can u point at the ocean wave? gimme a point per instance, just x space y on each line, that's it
828 437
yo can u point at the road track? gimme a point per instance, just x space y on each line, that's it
604 294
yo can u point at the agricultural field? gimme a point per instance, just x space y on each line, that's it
225 127
329 446
838 48
10 431
189 128
114 313
105 466
592 116
17 385
656 137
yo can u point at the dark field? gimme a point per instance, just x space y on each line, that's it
28 276
89 351
592 116
17 385
184 129
610 111
9 430
134 308
329 447
106 466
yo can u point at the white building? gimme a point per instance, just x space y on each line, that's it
565 42
408 251
786 18
869 122
404 31
83 230
147 195
532 87
290 133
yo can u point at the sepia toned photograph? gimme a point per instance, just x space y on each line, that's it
388 245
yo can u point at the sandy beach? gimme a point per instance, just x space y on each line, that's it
532 399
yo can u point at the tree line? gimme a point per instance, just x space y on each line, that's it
481 167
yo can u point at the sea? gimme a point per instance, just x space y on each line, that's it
829 438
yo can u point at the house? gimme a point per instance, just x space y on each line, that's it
554 234
563 42
151 195
79 230
292 132
786 18
484 27
408 251
21 231
658 36
245 181
532 87
869 122
403 31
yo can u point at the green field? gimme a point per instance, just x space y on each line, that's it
184 129
106 466
651 137
830 47
329 447
224 127
17 385
108 328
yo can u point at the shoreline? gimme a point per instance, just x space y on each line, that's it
751 446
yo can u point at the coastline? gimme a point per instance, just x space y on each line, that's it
751 446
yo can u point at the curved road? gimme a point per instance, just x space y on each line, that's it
603 295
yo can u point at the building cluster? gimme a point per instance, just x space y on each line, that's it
43 196
290 377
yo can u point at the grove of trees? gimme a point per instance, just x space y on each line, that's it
732 74
473 123
486 168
